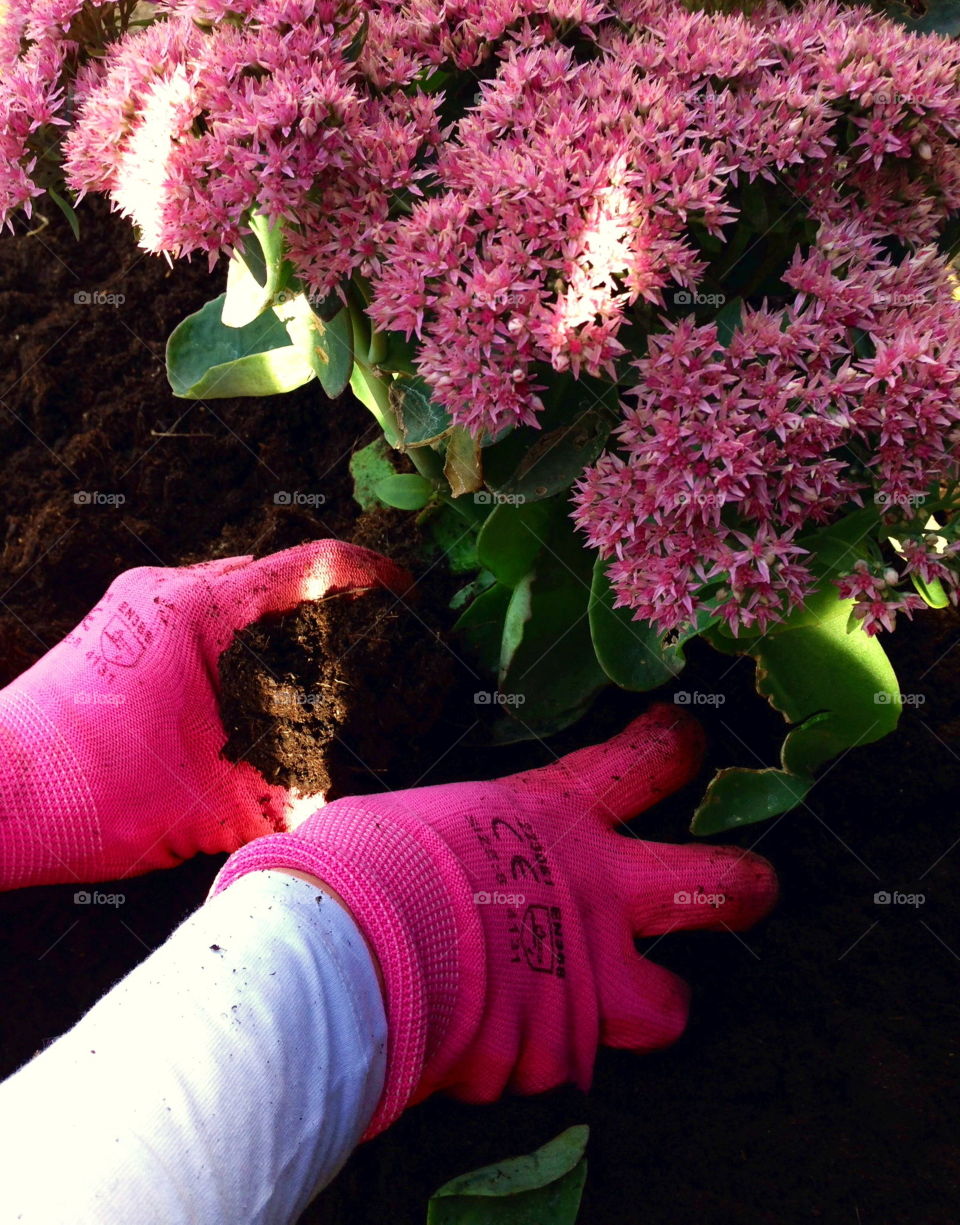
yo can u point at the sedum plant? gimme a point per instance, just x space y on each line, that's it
659 302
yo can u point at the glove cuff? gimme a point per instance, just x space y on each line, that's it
412 901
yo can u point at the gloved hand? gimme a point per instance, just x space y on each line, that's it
502 914
110 744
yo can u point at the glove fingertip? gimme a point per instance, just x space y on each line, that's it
644 1006
654 756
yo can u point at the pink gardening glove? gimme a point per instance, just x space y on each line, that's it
503 914
110 744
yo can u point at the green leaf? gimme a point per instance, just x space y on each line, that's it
454 534
463 462
333 353
207 360
739 797
398 357
421 420
833 550
832 683
838 546
465 596
357 43
547 656
67 209
861 343
933 592
558 457
326 345
629 651
728 320
754 206
542 1188
368 467
513 535
481 625
938 17
518 612
405 491
835 685
254 273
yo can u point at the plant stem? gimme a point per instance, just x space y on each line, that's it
372 392
372 389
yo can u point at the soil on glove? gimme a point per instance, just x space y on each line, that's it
323 699
818 1082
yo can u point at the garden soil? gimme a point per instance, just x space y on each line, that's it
289 689
819 1078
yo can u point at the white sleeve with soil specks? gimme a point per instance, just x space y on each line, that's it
226 1079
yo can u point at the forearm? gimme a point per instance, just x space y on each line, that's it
226 1079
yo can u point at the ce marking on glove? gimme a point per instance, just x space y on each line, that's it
531 866
536 937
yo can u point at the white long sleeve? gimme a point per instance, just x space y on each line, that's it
226 1079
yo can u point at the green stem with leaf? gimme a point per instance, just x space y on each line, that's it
371 385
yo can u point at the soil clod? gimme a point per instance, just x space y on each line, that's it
326 698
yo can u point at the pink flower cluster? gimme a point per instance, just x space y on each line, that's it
570 192
461 33
222 108
37 50
572 201
565 199
728 453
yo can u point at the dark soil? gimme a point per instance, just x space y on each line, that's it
818 1080
320 699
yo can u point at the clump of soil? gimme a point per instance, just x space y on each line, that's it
320 699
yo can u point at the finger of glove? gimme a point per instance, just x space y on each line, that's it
668 888
651 758
216 568
280 582
187 590
643 1006
235 806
